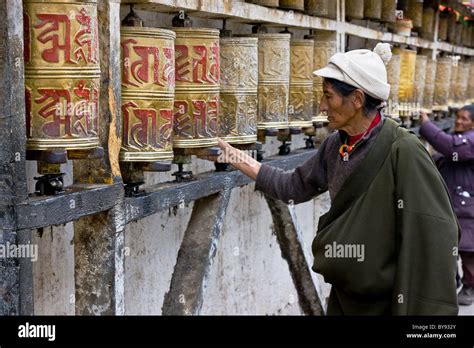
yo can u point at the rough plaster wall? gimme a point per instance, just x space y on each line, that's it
151 248
53 272
248 275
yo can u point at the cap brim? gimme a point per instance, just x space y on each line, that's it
329 72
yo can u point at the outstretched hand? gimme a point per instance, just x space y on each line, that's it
424 117
223 145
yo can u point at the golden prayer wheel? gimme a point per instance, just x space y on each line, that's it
332 9
388 10
452 83
267 3
459 32
373 9
238 89
460 88
466 36
324 49
452 21
292 5
300 108
470 83
443 26
407 76
415 12
442 83
428 23
196 103
318 8
393 77
148 80
428 91
273 80
62 74
420 76
355 9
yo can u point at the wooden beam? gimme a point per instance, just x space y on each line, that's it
166 195
12 155
195 255
79 200
292 251
99 239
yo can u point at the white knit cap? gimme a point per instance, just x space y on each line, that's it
363 69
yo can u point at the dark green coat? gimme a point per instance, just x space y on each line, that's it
396 205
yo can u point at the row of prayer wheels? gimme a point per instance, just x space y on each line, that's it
421 83
418 15
181 87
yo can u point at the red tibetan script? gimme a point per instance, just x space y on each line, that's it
55 30
148 57
145 132
205 63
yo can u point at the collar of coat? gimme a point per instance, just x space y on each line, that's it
363 175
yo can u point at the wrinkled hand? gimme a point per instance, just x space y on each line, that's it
424 117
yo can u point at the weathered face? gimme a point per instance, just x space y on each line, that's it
340 110
463 121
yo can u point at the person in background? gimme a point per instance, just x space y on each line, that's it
387 198
455 160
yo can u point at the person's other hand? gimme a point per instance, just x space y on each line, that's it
424 117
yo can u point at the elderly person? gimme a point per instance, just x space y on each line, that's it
455 159
387 198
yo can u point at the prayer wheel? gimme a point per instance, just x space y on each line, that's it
453 82
238 89
470 83
148 81
459 32
300 108
267 3
428 23
442 83
443 26
393 77
196 104
332 9
297 5
273 80
355 9
373 9
452 21
428 91
319 8
62 74
460 88
415 12
420 76
324 49
407 76
466 36
388 10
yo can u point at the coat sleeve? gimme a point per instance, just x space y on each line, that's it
426 234
451 146
299 185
